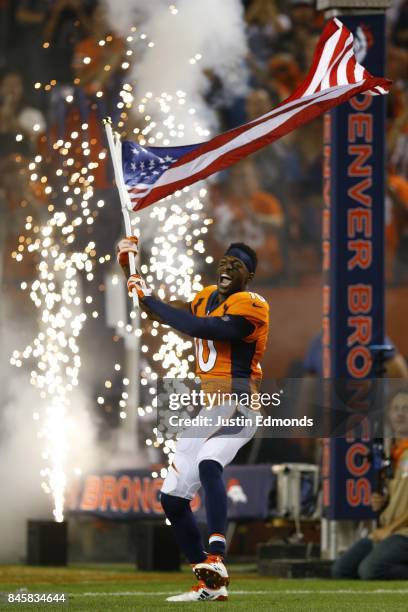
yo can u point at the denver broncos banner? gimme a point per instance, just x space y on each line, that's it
135 494
353 301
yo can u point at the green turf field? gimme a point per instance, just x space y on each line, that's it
114 588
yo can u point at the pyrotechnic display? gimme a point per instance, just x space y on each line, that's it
204 280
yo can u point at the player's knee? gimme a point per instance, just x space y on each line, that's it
173 506
209 470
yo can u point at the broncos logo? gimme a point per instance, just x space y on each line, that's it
235 492
363 40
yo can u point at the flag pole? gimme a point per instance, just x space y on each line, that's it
129 440
116 156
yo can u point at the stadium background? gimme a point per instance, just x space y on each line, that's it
271 200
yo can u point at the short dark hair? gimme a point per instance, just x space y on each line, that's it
248 250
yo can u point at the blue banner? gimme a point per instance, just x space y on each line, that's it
353 255
135 494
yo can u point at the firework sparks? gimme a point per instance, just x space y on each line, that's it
54 353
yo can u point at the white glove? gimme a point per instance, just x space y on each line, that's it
135 281
124 247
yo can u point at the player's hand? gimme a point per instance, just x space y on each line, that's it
378 501
136 282
124 247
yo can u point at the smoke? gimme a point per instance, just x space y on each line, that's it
23 462
185 45
20 466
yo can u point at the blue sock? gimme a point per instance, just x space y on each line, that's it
215 504
188 536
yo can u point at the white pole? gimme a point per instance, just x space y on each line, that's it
116 155
129 442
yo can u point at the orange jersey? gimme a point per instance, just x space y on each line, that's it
237 358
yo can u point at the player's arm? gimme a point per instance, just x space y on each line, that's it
232 327
176 304
180 305
130 245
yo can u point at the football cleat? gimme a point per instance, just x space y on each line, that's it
200 592
213 572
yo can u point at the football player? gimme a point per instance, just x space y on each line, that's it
230 327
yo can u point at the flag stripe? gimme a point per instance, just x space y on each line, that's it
322 45
330 80
326 58
359 73
344 75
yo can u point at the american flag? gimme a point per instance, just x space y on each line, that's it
152 173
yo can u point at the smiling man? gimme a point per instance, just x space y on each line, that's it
230 327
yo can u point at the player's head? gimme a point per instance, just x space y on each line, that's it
236 268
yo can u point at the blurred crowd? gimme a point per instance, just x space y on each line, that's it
61 74
62 67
